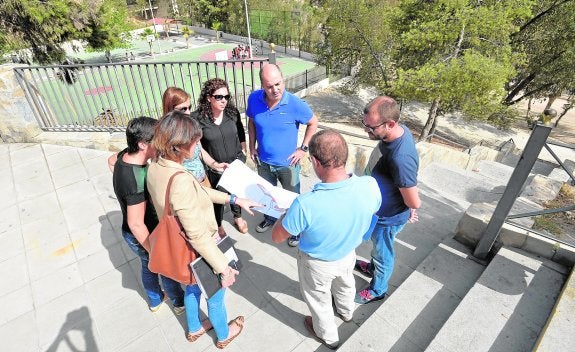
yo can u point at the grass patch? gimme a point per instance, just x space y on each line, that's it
562 225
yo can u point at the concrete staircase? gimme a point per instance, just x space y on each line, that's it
442 299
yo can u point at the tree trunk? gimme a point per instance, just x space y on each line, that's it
550 102
431 122
566 108
529 103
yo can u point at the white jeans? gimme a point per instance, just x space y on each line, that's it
320 280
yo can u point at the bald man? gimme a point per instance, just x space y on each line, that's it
274 119
332 220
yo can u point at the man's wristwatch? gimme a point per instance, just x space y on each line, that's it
305 148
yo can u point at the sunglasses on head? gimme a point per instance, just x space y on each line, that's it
219 97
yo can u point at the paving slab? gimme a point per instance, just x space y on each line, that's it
73 284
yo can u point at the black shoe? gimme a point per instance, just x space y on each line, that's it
293 241
364 267
264 225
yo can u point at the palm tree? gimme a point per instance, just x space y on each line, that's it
187 32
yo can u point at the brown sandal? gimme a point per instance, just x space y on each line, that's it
239 321
196 335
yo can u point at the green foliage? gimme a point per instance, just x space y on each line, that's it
456 53
357 34
44 26
211 13
547 40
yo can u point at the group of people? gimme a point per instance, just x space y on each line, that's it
326 224
240 52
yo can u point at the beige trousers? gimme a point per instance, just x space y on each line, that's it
319 281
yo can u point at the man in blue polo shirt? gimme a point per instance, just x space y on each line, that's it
332 220
274 118
393 163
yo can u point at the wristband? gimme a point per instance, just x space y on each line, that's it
233 199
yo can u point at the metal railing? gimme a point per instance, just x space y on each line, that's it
449 142
104 97
305 79
537 141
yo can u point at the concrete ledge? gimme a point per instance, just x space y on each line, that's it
474 221
557 335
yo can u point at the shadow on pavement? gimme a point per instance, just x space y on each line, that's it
76 320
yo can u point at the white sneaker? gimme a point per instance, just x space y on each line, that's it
157 308
179 310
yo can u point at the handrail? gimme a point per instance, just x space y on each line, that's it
537 141
464 146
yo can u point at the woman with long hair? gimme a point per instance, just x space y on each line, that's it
223 137
177 99
175 140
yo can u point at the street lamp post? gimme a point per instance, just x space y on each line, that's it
154 24
249 35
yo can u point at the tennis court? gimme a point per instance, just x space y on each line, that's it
111 94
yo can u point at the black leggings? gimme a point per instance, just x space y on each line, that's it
214 178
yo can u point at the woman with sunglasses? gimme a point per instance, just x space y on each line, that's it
175 139
177 99
224 138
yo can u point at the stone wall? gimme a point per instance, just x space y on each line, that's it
17 122
429 152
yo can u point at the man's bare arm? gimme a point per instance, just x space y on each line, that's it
310 129
252 139
411 197
279 233
137 225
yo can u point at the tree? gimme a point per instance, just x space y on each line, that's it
350 38
44 26
145 34
187 32
211 13
547 41
455 55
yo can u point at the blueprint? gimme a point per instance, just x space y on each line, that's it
242 181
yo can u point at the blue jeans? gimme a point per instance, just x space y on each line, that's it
287 175
151 280
216 311
382 256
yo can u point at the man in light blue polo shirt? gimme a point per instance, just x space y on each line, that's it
332 220
274 119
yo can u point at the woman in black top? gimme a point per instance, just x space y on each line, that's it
224 138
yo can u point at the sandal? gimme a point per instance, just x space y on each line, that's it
196 335
239 322
241 225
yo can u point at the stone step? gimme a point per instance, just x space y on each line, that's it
558 332
507 307
541 167
494 170
438 218
461 186
409 319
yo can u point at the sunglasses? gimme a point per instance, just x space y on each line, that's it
219 97
372 128
185 108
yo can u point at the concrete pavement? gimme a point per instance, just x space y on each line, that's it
69 282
